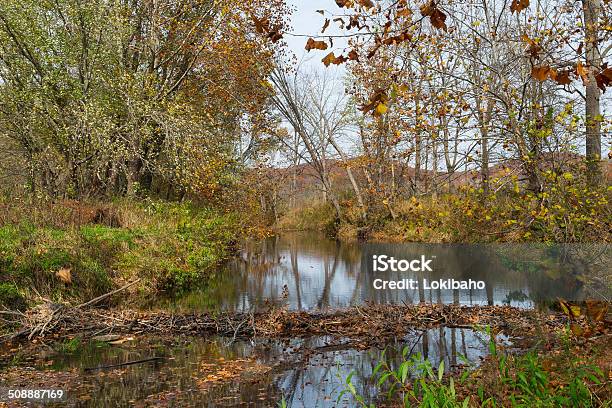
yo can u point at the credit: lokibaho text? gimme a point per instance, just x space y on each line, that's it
385 263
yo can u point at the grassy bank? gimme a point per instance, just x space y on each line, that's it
71 251
565 213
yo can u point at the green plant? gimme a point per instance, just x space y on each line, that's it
517 380
10 296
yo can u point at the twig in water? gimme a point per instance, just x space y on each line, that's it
146 360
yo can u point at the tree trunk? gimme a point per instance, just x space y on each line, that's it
133 176
592 10
351 177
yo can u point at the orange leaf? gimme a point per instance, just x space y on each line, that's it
329 59
562 77
582 72
542 73
314 44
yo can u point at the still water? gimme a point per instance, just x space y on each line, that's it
305 372
307 271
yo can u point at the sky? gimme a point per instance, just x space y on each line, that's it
307 22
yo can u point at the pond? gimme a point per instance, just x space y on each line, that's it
309 271
305 372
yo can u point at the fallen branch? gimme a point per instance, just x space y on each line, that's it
101 298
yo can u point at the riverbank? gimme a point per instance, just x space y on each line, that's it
566 211
69 252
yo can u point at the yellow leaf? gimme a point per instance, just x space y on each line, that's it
381 109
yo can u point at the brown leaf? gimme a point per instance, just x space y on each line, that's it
604 78
405 36
275 35
562 77
343 3
519 5
534 48
373 51
366 3
353 55
327 21
404 12
596 310
341 59
261 25
379 97
64 275
314 44
436 16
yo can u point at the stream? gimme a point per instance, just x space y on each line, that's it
310 272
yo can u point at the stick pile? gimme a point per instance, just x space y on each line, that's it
368 322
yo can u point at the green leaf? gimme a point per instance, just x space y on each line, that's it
383 378
404 371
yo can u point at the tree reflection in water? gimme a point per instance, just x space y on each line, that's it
321 273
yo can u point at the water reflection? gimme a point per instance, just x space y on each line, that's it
308 271
306 372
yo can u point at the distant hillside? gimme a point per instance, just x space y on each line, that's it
304 179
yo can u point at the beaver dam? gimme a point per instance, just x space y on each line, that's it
288 320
